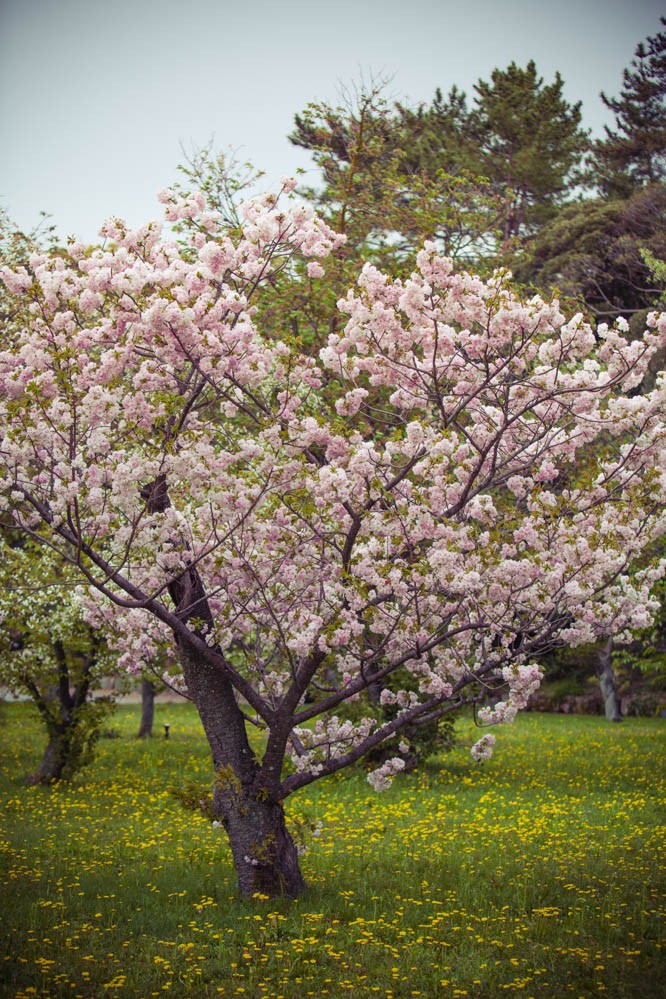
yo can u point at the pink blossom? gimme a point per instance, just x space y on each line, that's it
382 778
315 270
483 749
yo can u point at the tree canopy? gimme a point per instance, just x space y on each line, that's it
457 482
633 153
507 161
530 142
594 252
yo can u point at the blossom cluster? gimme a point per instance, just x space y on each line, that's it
43 617
327 740
483 748
382 777
523 680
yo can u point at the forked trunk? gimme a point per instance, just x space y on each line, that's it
63 713
264 853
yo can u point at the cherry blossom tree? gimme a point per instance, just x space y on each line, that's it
50 655
459 481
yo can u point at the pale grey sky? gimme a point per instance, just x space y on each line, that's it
97 96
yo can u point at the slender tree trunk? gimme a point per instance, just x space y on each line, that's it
147 708
58 709
607 682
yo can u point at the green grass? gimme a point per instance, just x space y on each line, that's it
539 873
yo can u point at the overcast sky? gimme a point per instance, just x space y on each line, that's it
98 97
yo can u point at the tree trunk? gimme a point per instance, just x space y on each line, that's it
72 721
607 682
147 708
55 759
58 710
264 854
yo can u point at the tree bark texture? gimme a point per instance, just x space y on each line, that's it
264 853
147 708
55 759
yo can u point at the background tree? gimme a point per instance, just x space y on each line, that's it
437 137
395 177
147 708
530 144
51 655
593 253
633 153
148 691
490 175
593 250
410 502
222 178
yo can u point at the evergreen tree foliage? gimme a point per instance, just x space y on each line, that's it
530 143
438 137
633 154
383 200
394 177
490 174
593 252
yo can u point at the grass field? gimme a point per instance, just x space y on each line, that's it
539 873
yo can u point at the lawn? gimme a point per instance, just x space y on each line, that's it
541 872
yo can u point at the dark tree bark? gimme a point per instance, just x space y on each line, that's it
54 761
607 682
70 721
264 853
147 708
265 856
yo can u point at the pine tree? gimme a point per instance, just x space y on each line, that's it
479 180
395 176
436 137
633 154
530 143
